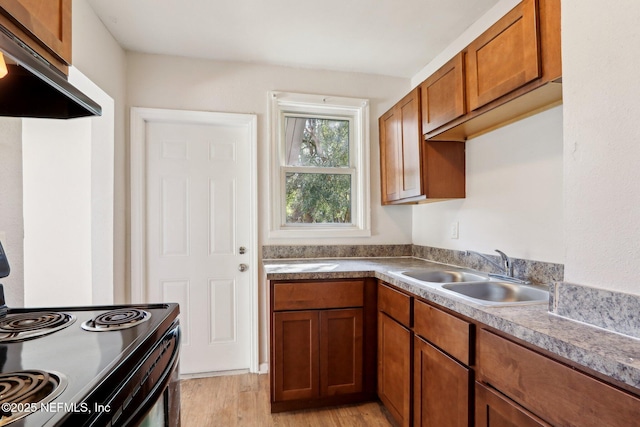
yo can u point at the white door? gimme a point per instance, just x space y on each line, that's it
198 219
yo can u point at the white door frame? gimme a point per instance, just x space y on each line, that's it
139 118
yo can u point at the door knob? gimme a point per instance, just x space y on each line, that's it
243 267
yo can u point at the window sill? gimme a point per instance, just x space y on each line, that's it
320 232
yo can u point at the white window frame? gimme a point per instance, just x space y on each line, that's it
282 104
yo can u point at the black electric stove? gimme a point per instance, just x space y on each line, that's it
111 373
107 366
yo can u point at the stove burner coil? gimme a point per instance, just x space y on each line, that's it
24 388
21 327
117 319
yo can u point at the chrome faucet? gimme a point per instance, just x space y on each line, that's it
507 263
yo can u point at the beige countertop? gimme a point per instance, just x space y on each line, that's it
614 355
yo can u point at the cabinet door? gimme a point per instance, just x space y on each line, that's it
442 95
400 150
47 21
390 156
440 388
394 368
505 57
296 354
494 410
411 139
341 351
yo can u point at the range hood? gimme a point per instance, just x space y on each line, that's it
34 88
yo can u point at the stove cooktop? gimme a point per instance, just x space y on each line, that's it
81 361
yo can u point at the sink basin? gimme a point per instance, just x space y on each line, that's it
444 276
499 292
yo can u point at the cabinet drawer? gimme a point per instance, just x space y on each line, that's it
318 295
505 57
447 332
551 390
396 304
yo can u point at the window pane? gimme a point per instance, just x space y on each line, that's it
316 142
318 198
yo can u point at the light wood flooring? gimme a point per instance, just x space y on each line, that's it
243 400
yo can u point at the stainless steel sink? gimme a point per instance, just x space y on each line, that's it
444 276
499 292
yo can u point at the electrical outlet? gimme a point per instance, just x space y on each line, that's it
454 230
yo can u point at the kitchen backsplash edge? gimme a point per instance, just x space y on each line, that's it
334 251
537 272
541 273
614 311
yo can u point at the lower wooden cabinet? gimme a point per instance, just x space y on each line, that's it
441 388
557 393
495 410
318 353
394 368
321 345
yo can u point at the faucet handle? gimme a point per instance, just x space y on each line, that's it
504 256
508 263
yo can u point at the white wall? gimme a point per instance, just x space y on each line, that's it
11 223
102 145
514 194
179 83
99 57
602 143
68 205
57 211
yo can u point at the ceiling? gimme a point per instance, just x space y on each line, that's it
388 37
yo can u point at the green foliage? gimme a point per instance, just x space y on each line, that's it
321 197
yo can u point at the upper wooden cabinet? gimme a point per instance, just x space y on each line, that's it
443 95
411 170
505 57
44 25
400 139
512 70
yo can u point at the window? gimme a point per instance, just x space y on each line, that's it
320 175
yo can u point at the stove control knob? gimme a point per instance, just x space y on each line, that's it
243 267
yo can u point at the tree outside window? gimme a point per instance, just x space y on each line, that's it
322 196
